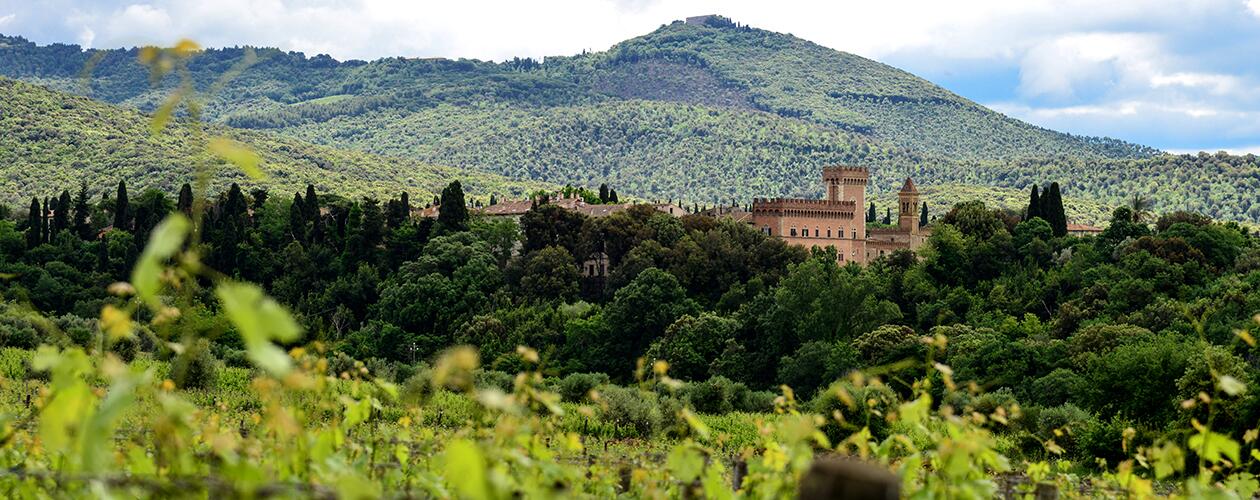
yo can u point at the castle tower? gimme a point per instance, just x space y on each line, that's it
908 207
846 184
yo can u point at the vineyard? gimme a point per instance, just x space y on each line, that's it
137 405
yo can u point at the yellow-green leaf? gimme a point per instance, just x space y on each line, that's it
164 242
1231 385
465 469
259 319
238 154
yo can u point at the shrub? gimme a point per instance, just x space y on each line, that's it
864 399
196 368
1072 422
1102 338
815 364
419 385
887 343
631 408
495 379
756 401
1055 388
81 331
126 348
575 386
716 395
235 358
19 332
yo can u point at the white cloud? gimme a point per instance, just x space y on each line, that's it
1254 6
6 19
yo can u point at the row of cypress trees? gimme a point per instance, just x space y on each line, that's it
1048 205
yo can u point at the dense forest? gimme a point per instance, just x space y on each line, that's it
1108 332
704 113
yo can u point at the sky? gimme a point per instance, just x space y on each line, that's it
1180 75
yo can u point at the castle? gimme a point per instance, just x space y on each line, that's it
839 220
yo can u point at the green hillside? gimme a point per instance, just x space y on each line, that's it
52 140
705 113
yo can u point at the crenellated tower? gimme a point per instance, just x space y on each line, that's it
845 183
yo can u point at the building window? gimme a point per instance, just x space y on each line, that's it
815 232
828 232
793 232
766 229
855 234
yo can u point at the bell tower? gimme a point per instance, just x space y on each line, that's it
908 207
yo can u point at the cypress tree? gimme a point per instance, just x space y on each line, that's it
1053 204
603 193
887 215
61 214
870 214
34 229
612 195
493 200
297 219
82 212
923 219
454 214
185 202
1034 205
121 208
45 233
355 246
260 198
373 223
311 204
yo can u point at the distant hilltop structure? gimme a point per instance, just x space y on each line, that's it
710 20
839 219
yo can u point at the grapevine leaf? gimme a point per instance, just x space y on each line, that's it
259 319
238 154
164 242
466 469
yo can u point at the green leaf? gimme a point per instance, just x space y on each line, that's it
164 112
465 468
164 242
917 410
1231 385
685 463
238 154
259 319
1213 446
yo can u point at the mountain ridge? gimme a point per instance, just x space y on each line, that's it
702 113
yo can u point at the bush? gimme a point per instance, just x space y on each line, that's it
235 358
19 332
864 399
716 395
756 401
196 368
495 379
81 331
419 386
815 364
575 386
126 348
631 408
887 343
1073 423
1055 388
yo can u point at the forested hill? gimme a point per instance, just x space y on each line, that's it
51 141
698 112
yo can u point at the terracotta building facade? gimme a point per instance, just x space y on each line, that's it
839 220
